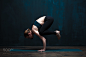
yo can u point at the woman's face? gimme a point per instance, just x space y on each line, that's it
30 35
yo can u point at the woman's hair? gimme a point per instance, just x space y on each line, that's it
26 32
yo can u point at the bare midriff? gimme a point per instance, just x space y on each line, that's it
40 21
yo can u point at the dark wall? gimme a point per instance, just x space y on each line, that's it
18 15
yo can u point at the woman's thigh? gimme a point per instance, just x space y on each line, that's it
47 24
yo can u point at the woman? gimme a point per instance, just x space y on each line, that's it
39 28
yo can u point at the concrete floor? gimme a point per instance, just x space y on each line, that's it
4 51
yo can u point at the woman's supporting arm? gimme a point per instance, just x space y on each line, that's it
44 42
42 38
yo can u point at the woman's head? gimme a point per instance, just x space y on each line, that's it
28 34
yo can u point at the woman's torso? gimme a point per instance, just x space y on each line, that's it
40 21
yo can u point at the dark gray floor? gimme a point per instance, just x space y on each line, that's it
4 51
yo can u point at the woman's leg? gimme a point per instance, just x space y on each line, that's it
46 25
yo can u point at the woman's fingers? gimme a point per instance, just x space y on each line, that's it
41 50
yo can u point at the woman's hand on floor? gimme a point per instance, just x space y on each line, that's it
41 50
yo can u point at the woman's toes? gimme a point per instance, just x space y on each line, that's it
58 34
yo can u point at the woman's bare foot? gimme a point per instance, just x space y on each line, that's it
58 34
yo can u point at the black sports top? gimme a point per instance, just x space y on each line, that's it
37 24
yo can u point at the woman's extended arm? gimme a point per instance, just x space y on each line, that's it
42 38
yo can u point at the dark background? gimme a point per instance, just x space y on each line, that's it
18 15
